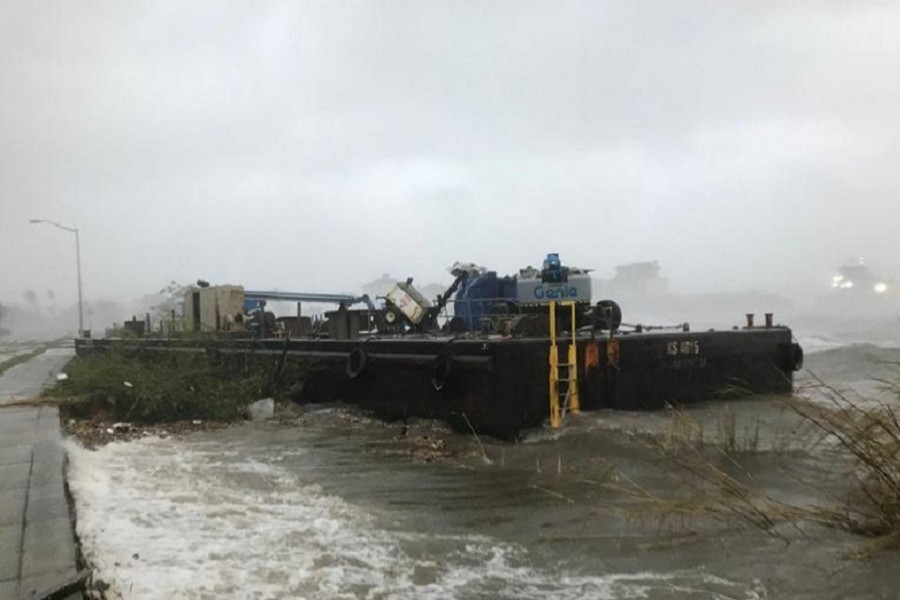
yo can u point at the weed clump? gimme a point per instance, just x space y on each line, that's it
867 433
147 387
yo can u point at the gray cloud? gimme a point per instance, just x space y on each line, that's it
313 146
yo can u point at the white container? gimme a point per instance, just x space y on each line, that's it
409 301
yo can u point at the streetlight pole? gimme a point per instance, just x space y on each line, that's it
77 266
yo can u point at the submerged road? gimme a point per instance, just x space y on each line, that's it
37 544
28 379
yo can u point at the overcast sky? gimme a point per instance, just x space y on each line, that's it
312 146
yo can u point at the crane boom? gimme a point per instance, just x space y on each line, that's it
310 297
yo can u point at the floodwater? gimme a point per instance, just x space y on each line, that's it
337 505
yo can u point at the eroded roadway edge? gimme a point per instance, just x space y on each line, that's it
38 547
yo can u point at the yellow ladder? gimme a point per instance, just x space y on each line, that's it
566 372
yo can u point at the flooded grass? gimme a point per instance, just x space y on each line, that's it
858 438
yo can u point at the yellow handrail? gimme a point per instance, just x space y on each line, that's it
554 371
573 403
574 397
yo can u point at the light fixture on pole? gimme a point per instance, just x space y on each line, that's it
77 265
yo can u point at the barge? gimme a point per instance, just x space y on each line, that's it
511 354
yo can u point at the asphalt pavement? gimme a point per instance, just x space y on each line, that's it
38 552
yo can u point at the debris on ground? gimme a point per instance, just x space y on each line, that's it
421 441
96 432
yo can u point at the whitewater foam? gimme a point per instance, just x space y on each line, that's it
180 519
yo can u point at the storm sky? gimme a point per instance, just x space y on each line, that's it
312 146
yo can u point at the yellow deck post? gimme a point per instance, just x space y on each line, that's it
554 371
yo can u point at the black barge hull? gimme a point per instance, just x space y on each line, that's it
500 386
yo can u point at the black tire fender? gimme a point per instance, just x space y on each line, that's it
441 371
356 362
795 357
607 315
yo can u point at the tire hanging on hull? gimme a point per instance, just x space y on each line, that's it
441 371
356 362
795 357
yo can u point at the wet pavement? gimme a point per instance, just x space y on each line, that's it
27 380
37 544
